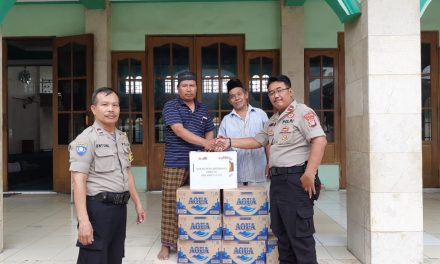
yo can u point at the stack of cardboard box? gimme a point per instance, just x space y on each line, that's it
200 226
239 235
245 225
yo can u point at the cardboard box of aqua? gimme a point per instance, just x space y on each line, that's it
197 202
200 227
245 228
245 200
272 250
213 170
189 251
244 252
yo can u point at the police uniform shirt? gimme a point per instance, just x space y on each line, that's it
104 157
289 135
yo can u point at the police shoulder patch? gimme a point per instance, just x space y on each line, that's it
81 148
310 119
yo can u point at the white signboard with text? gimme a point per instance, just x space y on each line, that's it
213 170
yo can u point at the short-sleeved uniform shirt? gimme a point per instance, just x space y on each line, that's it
289 135
251 162
104 157
198 122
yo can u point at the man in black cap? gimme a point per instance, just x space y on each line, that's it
245 121
189 127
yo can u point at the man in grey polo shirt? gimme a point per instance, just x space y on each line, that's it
297 143
100 162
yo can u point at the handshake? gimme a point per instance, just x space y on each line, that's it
217 144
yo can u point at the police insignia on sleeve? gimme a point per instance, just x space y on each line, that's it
130 156
310 119
81 149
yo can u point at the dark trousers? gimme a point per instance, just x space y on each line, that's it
291 212
109 223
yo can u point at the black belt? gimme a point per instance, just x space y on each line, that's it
110 197
274 171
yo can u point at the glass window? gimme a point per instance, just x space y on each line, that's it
426 92
219 60
169 60
219 65
72 101
320 92
130 90
260 66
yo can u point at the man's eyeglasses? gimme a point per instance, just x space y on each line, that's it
277 91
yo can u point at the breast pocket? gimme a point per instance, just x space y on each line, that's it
104 160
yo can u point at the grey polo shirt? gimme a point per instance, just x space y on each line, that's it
289 135
103 157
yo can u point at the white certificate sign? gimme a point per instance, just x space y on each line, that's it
213 170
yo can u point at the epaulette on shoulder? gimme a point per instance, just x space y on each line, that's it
99 131
84 134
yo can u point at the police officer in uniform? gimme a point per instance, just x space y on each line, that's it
100 161
297 143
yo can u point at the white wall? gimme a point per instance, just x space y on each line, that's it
29 122
46 127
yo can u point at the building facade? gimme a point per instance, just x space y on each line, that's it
369 68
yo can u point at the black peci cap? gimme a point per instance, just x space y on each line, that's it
186 76
234 83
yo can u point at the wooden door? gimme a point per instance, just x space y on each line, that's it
72 91
167 57
5 113
430 117
214 59
322 95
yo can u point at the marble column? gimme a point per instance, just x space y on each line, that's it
383 133
292 47
98 23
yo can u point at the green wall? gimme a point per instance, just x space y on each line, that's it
44 20
431 19
259 21
321 25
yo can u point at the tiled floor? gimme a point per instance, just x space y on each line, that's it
41 228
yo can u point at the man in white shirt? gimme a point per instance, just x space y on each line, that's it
245 121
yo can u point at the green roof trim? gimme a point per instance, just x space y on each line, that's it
93 4
183 1
423 5
346 10
294 2
5 6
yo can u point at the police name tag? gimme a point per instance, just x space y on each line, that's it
213 170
